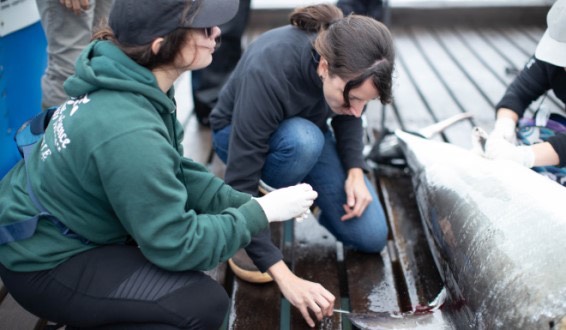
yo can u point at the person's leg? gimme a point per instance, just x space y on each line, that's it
367 233
207 82
116 286
67 34
221 142
293 150
101 11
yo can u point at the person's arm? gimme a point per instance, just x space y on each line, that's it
358 196
349 141
539 154
545 155
303 294
140 175
558 144
529 85
349 131
257 114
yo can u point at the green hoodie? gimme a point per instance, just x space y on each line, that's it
110 165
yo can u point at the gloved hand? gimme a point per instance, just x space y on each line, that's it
287 203
504 129
499 148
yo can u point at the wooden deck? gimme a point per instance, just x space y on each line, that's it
461 65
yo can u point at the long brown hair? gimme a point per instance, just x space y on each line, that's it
356 47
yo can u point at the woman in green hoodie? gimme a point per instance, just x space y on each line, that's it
125 224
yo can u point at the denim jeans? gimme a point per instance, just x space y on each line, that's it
300 152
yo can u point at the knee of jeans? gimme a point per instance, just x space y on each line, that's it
373 242
305 142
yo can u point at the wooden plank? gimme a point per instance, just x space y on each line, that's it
430 88
371 286
486 54
255 306
534 32
520 40
418 266
474 87
184 97
515 57
410 109
197 143
314 259
409 92
471 67
461 87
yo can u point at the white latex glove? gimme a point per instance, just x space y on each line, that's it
287 203
505 129
499 148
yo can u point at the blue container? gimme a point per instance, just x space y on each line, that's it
23 59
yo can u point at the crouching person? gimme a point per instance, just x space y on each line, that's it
105 224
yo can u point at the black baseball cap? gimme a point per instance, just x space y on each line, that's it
139 22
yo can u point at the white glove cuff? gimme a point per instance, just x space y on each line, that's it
528 156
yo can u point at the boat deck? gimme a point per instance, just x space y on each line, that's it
449 61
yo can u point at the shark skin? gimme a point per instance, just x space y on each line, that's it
497 233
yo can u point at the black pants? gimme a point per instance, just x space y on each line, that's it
116 287
208 82
371 8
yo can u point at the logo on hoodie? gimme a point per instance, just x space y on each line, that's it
61 140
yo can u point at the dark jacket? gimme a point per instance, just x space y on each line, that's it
276 79
534 80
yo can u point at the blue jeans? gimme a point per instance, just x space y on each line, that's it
300 152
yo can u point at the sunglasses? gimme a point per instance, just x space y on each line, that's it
207 31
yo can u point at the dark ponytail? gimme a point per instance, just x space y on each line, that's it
315 18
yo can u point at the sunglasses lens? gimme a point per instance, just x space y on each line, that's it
208 31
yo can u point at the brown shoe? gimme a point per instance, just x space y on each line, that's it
243 267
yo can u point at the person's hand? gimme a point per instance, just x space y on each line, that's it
77 6
287 203
358 196
303 294
499 148
504 128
